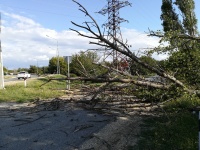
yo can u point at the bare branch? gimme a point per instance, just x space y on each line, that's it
181 36
118 71
100 89
111 80
91 37
87 14
96 43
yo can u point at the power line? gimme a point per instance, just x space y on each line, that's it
46 12
39 11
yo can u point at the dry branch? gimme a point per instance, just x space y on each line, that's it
179 36
100 90
30 121
119 80
82 127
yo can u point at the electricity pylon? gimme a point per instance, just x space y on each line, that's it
113 27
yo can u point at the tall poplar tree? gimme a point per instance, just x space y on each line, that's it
184 54
169 17
189 18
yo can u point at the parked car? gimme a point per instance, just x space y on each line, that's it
23 75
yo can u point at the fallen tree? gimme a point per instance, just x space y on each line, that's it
122 48
173 86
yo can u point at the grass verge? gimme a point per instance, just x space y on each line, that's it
18 93
178 130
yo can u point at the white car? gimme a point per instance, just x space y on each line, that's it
23 75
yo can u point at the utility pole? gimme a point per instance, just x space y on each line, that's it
1 63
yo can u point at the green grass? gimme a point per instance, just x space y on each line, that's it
176 131
8 76
19 93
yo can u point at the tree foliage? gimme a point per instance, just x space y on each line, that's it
53 65
5 69
38 70
189 19
33 69
137 69
184 53
169 17
83 64
22 69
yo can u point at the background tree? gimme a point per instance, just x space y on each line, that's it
52 65
22 69
44 69
139 70
33 69
63 66
52 68
5 70
83 64
38 70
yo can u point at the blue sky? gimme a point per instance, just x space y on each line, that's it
25 24
57 15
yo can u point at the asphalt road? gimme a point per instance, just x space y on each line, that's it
14 78
32 129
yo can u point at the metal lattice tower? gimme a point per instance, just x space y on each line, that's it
113 26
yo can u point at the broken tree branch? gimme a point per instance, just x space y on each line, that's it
112 80
127 52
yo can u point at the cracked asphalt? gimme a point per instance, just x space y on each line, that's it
65 129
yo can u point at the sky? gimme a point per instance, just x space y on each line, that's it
31 29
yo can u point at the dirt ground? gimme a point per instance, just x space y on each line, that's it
62 124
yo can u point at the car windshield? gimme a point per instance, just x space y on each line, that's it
22 72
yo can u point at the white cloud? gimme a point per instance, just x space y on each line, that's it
24 42
141 42
21 22
138 39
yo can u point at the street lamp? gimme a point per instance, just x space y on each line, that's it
58 63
